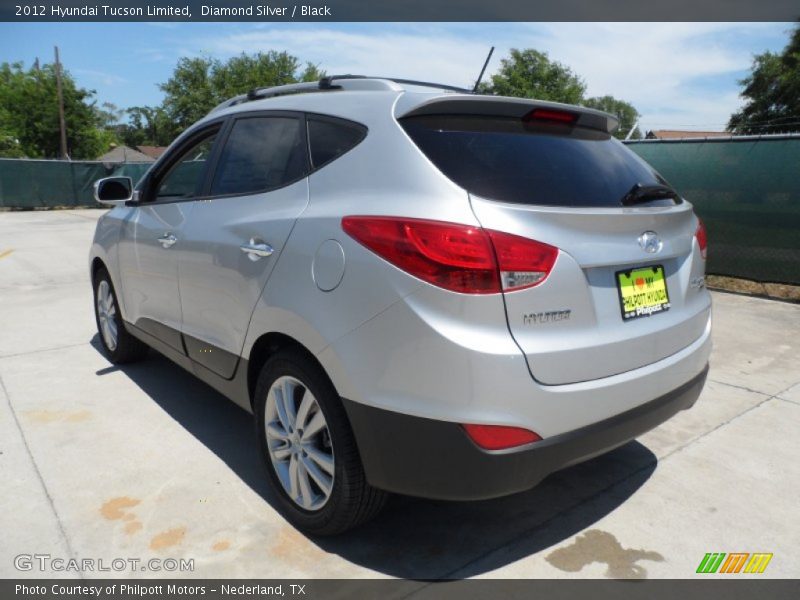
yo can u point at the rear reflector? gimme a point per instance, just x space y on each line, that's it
546 114
500 437
702 239
460 258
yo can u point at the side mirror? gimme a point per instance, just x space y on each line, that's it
113 190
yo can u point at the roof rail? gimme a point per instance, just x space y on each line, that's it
331 83
328 82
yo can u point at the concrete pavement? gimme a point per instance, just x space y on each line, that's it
147 462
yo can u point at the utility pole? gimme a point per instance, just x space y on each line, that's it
61 121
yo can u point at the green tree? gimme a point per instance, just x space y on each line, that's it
771 92
198 84
531 74
624 111
147 126
29 123
9 144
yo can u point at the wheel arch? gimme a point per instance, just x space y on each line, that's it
266 346
97 264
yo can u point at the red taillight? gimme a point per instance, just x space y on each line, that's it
500 437
460 258
523 263
702 239
546 114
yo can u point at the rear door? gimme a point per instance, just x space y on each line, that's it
623 291
236 232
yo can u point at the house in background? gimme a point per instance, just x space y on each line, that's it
674 134
153 152
123 154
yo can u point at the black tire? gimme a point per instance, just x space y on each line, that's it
128 348
352 500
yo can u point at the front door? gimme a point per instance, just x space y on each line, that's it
151 239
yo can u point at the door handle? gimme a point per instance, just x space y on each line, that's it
167 240
256 250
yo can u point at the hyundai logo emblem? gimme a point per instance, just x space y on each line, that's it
650 242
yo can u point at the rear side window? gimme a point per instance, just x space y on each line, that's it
329 138
505 159
260 154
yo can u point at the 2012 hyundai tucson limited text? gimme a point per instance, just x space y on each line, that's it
413 288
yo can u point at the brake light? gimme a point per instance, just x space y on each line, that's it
460 258
500 437
547 114
523 263
702 239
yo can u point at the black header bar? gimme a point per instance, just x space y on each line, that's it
402 10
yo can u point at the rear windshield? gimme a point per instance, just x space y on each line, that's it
505 159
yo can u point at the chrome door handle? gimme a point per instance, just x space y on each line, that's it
167 240
256 251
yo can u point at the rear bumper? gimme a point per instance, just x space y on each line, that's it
435 459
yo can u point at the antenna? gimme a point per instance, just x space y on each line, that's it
630 133
483 70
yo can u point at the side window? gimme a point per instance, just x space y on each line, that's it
329 138
184 178
260 154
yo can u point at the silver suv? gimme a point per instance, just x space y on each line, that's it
413 288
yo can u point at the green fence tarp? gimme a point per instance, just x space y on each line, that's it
48 183
747 191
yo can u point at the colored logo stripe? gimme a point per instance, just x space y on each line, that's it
734 562
710 562
758 563
713 562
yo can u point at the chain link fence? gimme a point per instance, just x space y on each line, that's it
747 191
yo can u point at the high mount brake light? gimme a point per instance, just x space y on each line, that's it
547 114
460 258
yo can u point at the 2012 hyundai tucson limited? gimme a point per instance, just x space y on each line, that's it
414 289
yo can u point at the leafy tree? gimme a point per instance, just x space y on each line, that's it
109 116
147 126
772 92
531 74
9 144
624 111
29 123
199 84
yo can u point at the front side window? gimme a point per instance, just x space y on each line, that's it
261 154
184 179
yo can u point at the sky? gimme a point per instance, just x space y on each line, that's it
677 75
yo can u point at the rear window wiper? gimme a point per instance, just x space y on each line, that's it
644 193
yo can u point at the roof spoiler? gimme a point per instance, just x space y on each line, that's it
503 106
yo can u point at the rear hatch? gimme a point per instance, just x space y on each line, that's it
619 295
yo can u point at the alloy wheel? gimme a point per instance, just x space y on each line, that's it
299 443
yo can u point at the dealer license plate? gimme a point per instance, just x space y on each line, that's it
642 292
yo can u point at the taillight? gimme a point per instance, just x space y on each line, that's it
523 263
460 258
500 437
702 239
547 114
